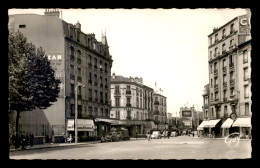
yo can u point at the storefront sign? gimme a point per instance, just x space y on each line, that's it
85 125
70 125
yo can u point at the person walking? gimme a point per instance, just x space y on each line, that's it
31 136
23 140
169 133
27 141
149 136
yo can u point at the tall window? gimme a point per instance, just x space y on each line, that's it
231 76
206 114
210 54
224 78
246 76
223 33
246 108
101 80
245 56
79 71
215 66
231 28
128 88
105 67
90 93
128 100
225 111
246 91
90 75
72 69
117 89
211 97
210 40
90 59
117 102
72 88
223 47
95 94
211 82
216 81
216 38
106 97
137 115
216 50
216 95
212 112
141 103
95 77
224 62
137 102
95 61
231 42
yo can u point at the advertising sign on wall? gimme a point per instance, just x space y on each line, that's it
186 113
70 125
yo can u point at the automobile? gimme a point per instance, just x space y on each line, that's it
106 138
195 132
125 134
173 134
119 136
114 137
156 135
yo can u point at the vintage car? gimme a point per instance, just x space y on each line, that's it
156 135
106 138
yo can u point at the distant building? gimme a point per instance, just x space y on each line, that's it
160 109
131 104
76 58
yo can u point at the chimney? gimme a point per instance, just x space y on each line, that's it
78 25
52 12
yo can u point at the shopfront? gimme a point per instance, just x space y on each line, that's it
201 128
134 127
213 127
226 127
104 125
244 125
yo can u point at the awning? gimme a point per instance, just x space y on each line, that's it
242 122
107 120
200 127
85 125
227 123
212 123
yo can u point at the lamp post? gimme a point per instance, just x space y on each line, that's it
76 110
197 115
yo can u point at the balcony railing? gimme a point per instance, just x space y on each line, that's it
156 112
117 93
215 71
128 92
128 117
224 52
216 99
216 86
128 105
223 36
225 115
232 31
231 65
224 99
224 69
224 84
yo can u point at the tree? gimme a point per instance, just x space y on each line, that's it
32 83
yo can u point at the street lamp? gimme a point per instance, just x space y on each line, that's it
76 110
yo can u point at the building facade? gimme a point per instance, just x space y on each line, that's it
131 104
160 110
229 57
77 58
205 96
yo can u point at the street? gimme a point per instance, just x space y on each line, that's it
182 147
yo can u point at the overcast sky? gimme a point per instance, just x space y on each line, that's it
166 46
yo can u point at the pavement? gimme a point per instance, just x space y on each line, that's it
52 145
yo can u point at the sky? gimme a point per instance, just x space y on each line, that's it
166 46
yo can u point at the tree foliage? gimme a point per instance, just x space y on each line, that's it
32 82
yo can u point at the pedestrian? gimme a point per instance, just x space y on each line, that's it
136 134
27 141
169 133
149 136
23 140
31 136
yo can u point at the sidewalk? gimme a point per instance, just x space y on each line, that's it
52 145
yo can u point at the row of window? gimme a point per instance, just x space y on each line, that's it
207 115
232 93
223 34
139 104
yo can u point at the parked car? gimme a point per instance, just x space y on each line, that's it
114 136
125 134
119 136
173 134
156 135
106 138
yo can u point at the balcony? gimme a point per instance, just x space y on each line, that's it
72 77
128 92
223 36
79 78
89 65
117 93
225 99
224 52
156 112
156 103
232 31
216 99
215 72
128 117
128 105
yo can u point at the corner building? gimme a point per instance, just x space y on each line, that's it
229 77
131 104
76 58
